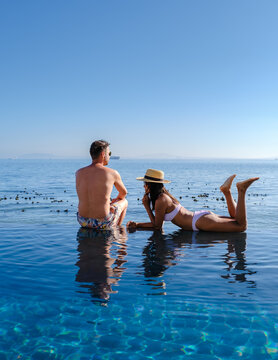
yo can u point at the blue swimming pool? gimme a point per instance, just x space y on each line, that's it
68 293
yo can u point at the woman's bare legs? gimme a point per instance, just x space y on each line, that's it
226 190
241 208
213 222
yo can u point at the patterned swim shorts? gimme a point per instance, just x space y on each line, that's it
108 222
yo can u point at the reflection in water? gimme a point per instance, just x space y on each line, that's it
236 264
101 256
163 251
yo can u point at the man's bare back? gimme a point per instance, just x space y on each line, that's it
94 185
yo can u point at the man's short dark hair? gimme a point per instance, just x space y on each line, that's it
97 147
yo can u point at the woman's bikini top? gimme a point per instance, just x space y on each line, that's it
170 216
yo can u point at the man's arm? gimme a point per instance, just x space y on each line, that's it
119 185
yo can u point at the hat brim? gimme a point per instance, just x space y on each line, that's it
153 181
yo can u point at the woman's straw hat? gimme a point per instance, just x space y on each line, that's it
154 176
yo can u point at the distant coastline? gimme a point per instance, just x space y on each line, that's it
49 157
143 158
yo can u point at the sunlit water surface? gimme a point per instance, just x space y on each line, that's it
74 294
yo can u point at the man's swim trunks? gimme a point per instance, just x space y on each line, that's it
108 222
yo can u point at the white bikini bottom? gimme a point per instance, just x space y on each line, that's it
196 216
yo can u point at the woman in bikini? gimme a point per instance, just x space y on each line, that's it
167 208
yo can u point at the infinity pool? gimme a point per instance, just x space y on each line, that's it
68 293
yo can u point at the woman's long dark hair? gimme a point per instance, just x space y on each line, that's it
156 189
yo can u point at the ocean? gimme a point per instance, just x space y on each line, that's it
71 293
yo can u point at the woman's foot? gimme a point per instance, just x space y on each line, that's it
244 185
226 187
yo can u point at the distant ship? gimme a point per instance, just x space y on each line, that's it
114 157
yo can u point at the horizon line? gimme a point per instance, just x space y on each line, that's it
54 157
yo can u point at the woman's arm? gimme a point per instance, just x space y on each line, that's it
147 225
146 202
132 225
157 220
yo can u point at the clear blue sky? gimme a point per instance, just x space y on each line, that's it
155 78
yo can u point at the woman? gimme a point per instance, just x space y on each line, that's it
167 208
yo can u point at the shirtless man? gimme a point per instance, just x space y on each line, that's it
94 184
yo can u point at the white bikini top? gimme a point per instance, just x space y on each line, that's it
170 216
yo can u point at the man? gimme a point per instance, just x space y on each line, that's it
94 184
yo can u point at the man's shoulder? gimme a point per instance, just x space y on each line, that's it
85 168
98 171
112 172
83 171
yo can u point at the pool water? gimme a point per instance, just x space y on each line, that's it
71 293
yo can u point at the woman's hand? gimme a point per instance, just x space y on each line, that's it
131 226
